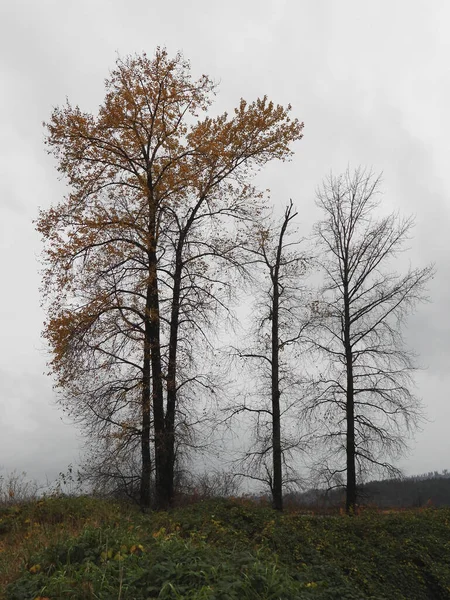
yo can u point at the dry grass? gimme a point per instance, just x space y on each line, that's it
29 527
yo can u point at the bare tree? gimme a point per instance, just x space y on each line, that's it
112 468
277 331
364 391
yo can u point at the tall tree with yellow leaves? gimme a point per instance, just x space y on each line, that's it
154 185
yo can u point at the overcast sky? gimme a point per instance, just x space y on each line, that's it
371 81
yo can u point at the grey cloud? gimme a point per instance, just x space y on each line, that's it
369 80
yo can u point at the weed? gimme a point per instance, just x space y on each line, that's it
78 548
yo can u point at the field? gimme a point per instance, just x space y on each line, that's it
80 548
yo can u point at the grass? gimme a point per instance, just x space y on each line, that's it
80 548
27 528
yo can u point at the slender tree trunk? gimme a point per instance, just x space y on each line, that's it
350 502
172 377
145 431
277 484
153 337
169 438
277 491
150 387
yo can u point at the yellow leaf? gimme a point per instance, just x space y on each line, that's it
35 569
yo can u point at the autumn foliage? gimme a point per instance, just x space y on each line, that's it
157 192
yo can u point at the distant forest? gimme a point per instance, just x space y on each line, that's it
428 489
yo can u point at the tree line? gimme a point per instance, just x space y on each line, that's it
402 492
160 227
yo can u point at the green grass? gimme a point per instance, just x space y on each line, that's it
222 550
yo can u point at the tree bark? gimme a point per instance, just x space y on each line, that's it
277 491
145 431
153 339
277 452
169 437
350 501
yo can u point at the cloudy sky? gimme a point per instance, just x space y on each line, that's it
369 78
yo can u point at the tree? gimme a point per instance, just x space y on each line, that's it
365 398
278 329
131 254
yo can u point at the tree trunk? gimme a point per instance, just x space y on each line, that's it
350 501
152 330
145 431
277 491
169 437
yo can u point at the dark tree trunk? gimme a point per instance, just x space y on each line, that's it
161 500
277 452
153 339
277 484
350 501
145 431
169 422
172 379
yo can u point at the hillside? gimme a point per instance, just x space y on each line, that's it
66 548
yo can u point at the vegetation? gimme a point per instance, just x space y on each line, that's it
136 254
364 401
143 257
273 354
84 548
